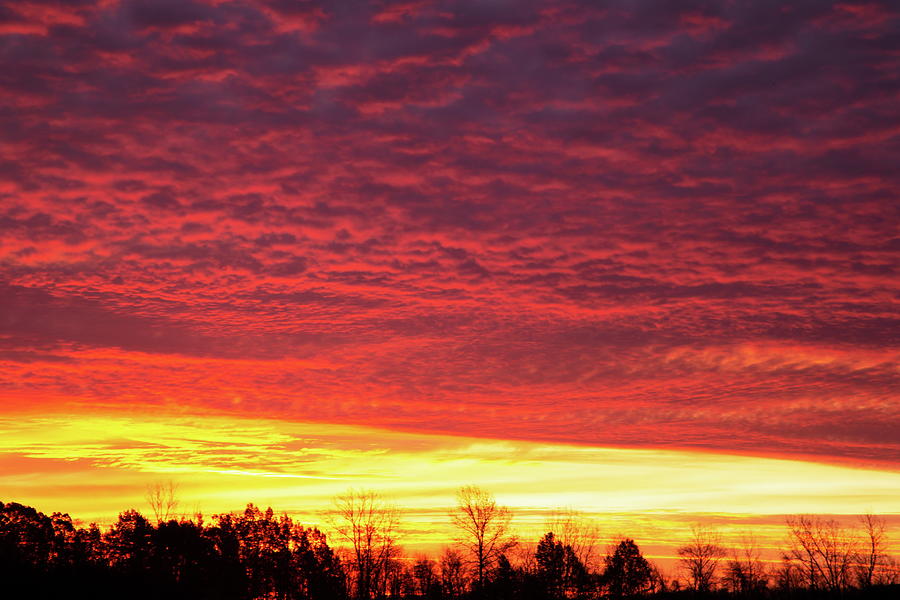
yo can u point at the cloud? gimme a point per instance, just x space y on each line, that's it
646 225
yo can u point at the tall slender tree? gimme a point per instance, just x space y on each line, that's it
745 572
454 580
484 528
700 557
572 528
369 524
163 500
872 554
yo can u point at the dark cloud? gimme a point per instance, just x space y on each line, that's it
584 223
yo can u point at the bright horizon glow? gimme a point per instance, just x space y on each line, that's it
637 259
94 466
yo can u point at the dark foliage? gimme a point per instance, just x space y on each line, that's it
240 557
627 572
255 555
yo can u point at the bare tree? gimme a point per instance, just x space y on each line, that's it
873 554
659 583
823 550
425 577
888 573
573 529
700 557
163 500
745 571
369 524
453 574
788 576
484 527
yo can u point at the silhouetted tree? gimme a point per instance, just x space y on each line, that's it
872 554
788 577
627 573
484 528
453 573
87 547
280 558
700 557
318 568
823 550
244 556
550 560
163 500
426 579
573 529
258 555
369 524
26 549
745 572
226 537
129 543
186 560
558 571
506 582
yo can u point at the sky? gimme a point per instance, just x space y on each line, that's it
638 258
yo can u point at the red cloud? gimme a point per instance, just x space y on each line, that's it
648 227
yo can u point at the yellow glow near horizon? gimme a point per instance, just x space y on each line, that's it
95 466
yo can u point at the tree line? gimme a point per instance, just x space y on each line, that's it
258 554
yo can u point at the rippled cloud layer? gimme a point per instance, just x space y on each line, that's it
636 223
